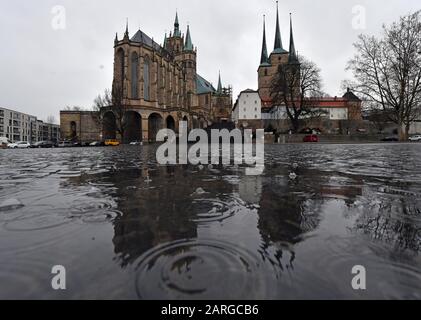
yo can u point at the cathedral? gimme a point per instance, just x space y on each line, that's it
157 87
269 64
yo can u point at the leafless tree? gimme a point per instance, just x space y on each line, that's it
297 86
51 119
111 101
387 70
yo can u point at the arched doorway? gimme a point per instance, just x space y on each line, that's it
109 126
170 123
73 130
154 124
132 127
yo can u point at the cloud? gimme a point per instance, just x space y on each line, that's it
43 70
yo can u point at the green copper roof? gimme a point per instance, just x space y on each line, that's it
264 60
177 32
203 86
189 45
278 48
292 53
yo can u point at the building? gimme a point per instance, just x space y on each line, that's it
159 87
247 110
18 126
338 114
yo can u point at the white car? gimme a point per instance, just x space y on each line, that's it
415 138
19 145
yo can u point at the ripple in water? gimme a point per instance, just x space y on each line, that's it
202 269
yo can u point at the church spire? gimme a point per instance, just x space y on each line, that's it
188 45
165 41
278 48
264 57
292 53
177 32
219 90
126 33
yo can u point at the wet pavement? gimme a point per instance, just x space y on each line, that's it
127 228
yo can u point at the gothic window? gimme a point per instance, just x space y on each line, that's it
134 76
266 72
120 68
146 79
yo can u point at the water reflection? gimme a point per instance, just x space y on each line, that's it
212 232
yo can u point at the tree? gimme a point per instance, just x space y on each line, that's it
387 70
111 101
51 119
73 108
297 86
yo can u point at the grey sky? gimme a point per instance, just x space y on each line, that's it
42 70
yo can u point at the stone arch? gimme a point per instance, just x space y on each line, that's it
132 127
196 123
73 130
109 126
170 123
154 125
134 75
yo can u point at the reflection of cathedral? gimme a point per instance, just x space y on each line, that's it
159 86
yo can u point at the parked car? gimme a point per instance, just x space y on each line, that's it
65 144
112 142
43 144
416 138
311 138
136 143
96 144
390 139
19 145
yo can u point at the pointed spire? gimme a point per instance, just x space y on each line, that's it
116 39
264 58
177 32
219 90
126 33
292 53
278 48
188 45
165 41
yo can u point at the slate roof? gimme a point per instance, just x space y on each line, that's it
141 37
204 86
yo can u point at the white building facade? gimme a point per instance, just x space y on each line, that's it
18 126
248 107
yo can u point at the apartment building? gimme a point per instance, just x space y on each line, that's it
18 126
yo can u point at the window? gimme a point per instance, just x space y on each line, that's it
266 72
120 68
134 76
146 85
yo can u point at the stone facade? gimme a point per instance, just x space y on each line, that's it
342 114
159 87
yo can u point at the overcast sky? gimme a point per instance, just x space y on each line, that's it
43 70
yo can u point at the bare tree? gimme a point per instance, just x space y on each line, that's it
51 119
73 108
388 70
111 101
297 86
